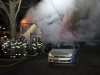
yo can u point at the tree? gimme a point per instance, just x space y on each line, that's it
11 8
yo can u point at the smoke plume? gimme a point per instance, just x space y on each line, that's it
61 20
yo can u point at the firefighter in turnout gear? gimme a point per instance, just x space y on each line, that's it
4 46
34 46
1 51
18 46
8 45
24 46
13 46
39 45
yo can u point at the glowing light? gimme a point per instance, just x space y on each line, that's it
3 28
64 18
24 22
5 36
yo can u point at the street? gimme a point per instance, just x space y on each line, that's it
88 64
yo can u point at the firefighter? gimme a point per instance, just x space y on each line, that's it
4 45
24 46
18 46
34 46
13 46
39 45
8 45
1 51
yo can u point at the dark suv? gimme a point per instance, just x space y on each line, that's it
48 47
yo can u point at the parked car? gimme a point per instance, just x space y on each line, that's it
64 52
48 47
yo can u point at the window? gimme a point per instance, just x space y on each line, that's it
64 45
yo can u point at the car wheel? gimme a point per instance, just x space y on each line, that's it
75 61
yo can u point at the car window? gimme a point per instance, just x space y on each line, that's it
64 45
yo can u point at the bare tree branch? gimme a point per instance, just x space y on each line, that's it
4 7
5 20
2 19
12 8
19 1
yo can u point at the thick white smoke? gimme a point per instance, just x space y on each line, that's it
81 20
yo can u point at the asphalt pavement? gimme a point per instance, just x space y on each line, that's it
88 64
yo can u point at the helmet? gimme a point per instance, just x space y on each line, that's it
13 39
19 37
22 37
33 38
38 38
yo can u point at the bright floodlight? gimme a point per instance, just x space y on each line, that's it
3 28
5 36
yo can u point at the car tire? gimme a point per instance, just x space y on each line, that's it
75 61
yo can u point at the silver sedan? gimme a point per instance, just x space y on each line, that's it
64 52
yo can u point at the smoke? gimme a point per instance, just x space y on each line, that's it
61 20
89 22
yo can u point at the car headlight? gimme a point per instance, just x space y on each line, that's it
69 55
50 55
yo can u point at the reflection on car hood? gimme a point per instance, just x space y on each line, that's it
61 51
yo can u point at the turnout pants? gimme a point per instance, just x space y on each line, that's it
34 52
39 50
24 52
13 53
18 51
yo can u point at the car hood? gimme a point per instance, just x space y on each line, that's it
61 51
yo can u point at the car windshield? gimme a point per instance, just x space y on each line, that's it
64 45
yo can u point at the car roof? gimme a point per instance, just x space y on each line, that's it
67 41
